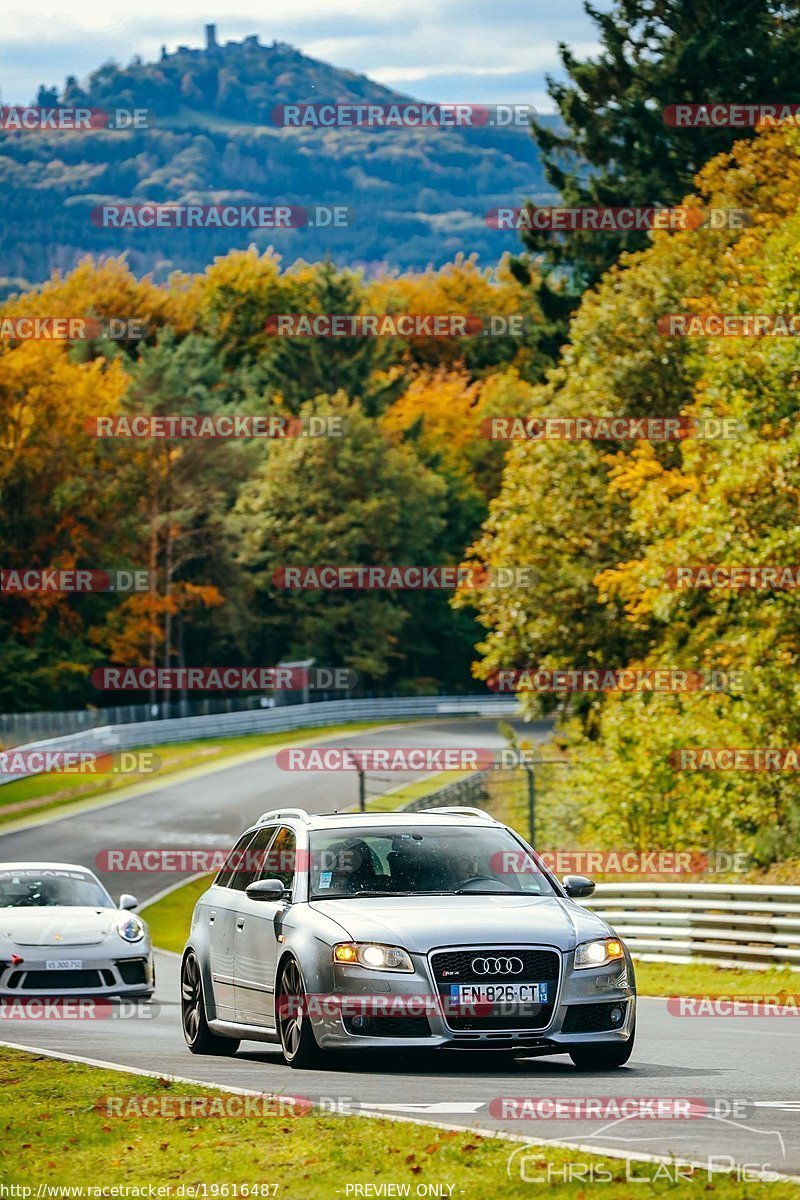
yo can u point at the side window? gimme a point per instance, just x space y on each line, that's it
231 862
253 858
280 862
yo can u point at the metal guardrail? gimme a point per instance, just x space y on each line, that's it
742 924
17 729
136 734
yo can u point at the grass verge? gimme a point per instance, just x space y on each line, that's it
170 917
57 1132
700 979
40 794
414 791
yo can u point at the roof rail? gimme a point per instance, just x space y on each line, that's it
276 814
463 812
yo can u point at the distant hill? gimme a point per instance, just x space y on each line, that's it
419 195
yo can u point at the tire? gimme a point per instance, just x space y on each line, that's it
602 1056
199 1038
298 1044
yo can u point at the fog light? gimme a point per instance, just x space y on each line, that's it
359 1022
617 1015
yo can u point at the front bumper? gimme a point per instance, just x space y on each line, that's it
581 1012
103 971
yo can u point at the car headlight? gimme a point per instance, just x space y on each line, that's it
598 954
373 955
131 929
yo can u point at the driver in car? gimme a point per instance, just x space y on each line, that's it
465 867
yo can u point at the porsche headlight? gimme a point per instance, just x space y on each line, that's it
373 955
599 953
130 929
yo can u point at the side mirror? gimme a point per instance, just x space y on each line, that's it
265 889
578 886
128 902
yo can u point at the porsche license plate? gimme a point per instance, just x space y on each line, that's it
64 964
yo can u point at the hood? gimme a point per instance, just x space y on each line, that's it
423 923
57 926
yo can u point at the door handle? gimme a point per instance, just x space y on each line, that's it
211 917
240 923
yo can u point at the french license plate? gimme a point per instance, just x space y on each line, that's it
64 964
498 993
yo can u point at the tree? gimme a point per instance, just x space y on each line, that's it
602 524
242 291
186 489
613 147
61 506
357 500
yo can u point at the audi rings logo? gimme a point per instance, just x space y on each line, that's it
497 966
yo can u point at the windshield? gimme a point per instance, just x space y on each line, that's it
51 888
405 861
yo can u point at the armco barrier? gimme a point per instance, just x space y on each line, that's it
135 734
745 924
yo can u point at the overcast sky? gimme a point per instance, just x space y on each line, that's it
470 50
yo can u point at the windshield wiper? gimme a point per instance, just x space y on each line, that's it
485 892
355 895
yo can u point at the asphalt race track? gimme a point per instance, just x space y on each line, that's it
752 1100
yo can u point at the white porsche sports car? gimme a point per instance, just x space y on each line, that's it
61 934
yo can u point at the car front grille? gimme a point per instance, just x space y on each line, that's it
455 966
56 981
